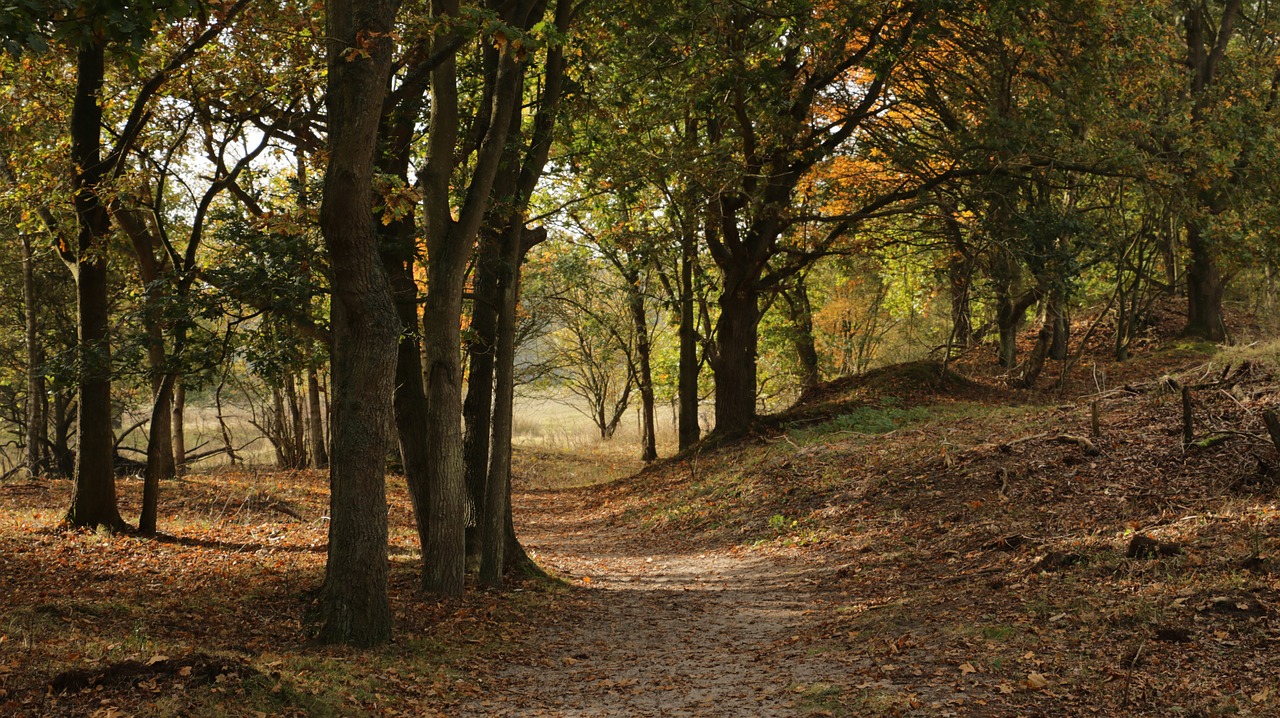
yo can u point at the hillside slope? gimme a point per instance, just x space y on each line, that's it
973 550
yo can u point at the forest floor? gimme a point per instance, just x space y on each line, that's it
915 542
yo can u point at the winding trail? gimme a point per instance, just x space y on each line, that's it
670 633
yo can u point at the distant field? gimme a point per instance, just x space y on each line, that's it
541 424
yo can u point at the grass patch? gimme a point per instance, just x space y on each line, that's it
888 415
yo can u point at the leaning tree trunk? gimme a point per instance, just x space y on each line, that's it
354 601
93 502
159 455
410 399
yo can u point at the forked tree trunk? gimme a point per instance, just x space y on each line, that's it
354 600
449 246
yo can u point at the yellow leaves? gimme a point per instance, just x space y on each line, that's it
966 668
1036 681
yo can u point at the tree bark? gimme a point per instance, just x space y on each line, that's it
800 312
354 601
690 430
1205 288
36 434
93 502
737 336
159 454
644 372
178 426
315 422
498 488
449 246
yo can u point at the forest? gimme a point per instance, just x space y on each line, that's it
405 329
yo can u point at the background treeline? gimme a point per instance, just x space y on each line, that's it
253 216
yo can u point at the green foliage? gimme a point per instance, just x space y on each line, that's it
888 416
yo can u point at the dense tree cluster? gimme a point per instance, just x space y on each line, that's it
371 221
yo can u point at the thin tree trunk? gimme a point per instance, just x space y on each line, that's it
410 400
354 603
159 455
178 425
478 406
37 429
315 422
644 373
297 432
690 430
498 490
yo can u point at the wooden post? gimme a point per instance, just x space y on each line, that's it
1095 421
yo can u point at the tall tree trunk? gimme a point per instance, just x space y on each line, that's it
37 429
178 425
93 501
279 431
644 372
1207 40
315 422
737 336
690 430
498 489
354 603
477 408
449 246
410 400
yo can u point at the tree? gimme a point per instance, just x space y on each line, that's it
365 328
89 31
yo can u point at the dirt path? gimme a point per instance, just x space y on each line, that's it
657 634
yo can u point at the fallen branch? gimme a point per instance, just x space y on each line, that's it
1088 447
